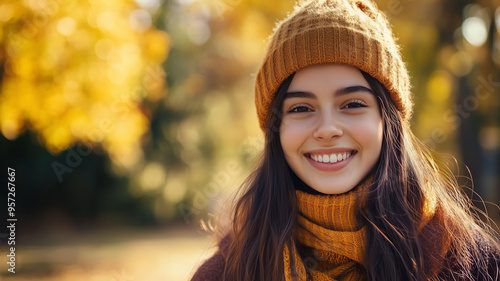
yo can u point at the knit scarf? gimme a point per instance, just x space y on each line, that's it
332 239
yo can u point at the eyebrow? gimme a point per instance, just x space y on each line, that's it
339 92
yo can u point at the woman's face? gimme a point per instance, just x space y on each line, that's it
331 131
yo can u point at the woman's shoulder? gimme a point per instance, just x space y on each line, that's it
490 270
485 267
213 268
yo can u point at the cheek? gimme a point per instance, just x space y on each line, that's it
377 136
292 136
369 134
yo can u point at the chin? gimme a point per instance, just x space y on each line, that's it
330 190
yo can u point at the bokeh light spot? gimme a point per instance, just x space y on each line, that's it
66 26
10 129
175 189
106 21
474 31
152 177
149 4
140 20
198 32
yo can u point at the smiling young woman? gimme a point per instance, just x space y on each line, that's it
331 132
344 190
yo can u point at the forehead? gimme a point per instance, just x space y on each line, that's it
330 75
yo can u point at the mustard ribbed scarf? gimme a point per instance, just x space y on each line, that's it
332 238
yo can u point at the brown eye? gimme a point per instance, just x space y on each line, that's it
354 104
299 109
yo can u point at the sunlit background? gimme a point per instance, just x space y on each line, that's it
128 122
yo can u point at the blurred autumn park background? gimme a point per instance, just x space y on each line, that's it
127 121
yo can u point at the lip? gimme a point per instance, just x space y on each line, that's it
332 150
330 167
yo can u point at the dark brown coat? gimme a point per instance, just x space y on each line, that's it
213 268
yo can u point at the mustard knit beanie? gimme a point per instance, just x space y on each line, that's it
353 32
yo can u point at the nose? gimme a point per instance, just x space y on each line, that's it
327 127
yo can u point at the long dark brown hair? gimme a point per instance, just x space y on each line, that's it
266 213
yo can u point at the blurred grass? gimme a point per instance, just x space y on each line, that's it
118 255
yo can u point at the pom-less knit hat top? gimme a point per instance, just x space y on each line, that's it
353 32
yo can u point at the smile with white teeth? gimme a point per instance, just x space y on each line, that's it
330 158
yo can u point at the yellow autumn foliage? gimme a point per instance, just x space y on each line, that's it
77 71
